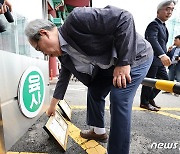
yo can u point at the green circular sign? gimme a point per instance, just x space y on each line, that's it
31 91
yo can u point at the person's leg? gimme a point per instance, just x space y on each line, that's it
121 105
146 91
161 74
96 102
96 94
177 74
171 73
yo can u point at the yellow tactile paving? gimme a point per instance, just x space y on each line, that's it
100 149
93 146
90 146
92 150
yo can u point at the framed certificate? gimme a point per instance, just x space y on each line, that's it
58 128
66 109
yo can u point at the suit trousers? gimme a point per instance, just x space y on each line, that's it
121 100
174 72
148 93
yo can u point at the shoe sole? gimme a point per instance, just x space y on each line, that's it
99 140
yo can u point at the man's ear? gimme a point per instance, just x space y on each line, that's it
44 32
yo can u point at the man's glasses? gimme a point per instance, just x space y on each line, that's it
169 9
37 37
37 46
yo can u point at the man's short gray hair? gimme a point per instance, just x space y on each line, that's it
165 3
32 29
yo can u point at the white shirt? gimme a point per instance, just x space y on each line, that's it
176 53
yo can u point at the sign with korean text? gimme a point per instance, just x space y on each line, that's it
31 92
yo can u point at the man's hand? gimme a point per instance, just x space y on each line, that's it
6 4
170 48
52 108
121 76
165 60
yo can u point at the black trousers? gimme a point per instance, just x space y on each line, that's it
148 93
97 91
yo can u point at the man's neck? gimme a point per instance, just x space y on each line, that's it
160 20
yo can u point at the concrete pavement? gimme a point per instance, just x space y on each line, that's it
152 133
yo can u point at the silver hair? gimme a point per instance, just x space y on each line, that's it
32 29
165 3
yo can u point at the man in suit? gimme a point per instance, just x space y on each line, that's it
103 51
157 34
174 54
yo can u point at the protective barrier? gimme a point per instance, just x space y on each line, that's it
165 85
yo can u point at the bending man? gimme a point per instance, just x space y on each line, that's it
103 51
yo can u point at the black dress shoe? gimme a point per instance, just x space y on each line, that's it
149 107
152 102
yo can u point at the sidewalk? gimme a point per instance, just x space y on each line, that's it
147 127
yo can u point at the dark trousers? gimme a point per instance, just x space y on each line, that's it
97 91
148 93
120 108
174 72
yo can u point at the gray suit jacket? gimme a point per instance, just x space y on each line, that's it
95 33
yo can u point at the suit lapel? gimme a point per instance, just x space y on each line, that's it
163 28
